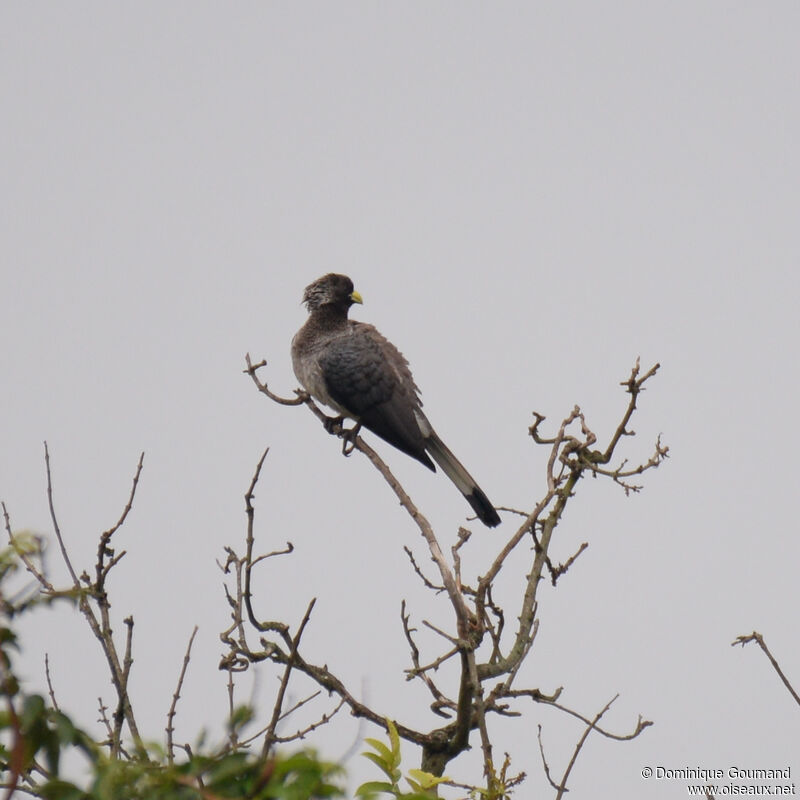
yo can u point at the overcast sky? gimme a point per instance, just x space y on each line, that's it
528 197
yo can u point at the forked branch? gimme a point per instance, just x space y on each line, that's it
571 455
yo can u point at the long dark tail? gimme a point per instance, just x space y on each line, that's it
463 481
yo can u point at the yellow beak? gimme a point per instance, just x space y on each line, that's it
356 297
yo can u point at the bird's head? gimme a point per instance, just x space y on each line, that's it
331 289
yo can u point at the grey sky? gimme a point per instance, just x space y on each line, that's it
528 196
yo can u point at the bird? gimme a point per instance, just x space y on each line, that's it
350 367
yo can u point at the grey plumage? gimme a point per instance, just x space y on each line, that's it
352 368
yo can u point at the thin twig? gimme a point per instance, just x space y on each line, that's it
49 682
56 527
552 700
249 561
590 727
545 765
102 628
269 738
480 718
125 511
262 387
759 639
103 708
303 732
176 696
299 704
634 385
428 584
452 639
440 701
25 557
123 701
557 571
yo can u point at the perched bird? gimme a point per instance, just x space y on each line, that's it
350 367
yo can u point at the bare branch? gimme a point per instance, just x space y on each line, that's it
232 733
557 572
124 710
452 639
439 700
262 387
250 561
552 700
562 788
634 385
37 573
495 627
545 765
101 627
759 640
480 719
50 683
618 475
106 537
56 527
276 711
419 572
476 613
103 708
302 733
176 696
299 704
241 655
356 442
448 579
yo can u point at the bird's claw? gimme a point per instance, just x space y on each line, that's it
334 425
331 423
349 436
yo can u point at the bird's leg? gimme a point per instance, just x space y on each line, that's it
331 423
348 435
349 439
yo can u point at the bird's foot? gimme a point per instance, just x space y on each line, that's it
332 423
349 436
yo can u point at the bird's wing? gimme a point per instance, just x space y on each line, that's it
366 375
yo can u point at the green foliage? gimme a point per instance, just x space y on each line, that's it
387 759
34 736
34 739
499 786
234 775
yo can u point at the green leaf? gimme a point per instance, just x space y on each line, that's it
426 780
393 774
228 769
7 635
33 709
10 686
61 790
65 728
388 755
240 717
52 751
394 738
375 786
